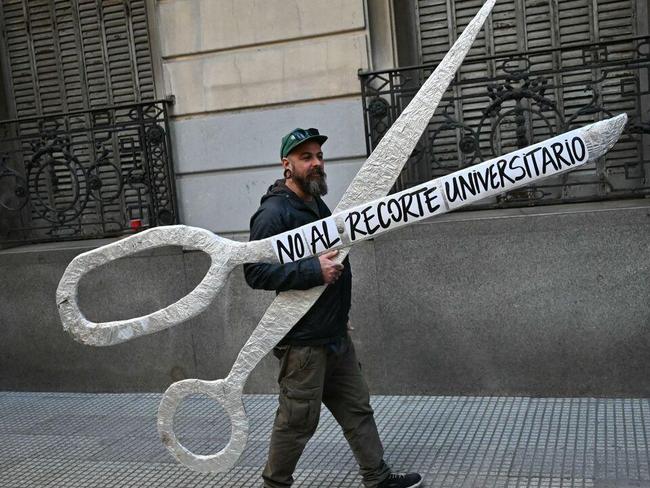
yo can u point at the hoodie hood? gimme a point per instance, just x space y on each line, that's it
278 189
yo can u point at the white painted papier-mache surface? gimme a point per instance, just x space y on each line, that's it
289 307
373 181
597 138
224 254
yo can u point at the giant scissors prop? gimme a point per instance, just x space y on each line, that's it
363 212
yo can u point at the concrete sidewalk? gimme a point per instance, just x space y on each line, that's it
101 440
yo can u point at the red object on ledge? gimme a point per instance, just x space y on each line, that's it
136 224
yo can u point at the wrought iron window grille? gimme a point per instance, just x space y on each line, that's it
86 174
501 103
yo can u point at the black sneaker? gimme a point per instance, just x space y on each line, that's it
410 480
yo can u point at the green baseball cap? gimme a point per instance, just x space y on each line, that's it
297 137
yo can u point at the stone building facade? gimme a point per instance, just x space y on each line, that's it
243 73
100 96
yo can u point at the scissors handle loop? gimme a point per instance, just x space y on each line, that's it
230 398
224 253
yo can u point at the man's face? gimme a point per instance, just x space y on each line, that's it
307 168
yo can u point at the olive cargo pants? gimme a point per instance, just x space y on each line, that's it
308 376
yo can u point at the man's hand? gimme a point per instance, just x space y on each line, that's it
331 270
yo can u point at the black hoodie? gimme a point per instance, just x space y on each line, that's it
282 210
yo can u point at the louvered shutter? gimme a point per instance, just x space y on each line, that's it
67 55
70 55
518 26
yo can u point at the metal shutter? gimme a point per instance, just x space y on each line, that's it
72 55
69 55
520 26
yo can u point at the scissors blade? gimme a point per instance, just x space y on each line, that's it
374 180
378 174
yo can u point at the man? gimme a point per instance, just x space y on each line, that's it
317 357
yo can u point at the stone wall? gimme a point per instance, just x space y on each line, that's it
541 301
246 72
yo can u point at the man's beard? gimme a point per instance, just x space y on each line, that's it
314 183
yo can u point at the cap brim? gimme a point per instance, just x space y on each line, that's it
320 139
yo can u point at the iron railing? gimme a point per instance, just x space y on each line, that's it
501 103
86 174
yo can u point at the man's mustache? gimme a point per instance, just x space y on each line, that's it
317 172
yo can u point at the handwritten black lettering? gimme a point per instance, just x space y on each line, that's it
428 199
353 219
501 168
329 243
293 251
456 195
418 194
547 160
467 185
483 179
500 174
493 178
517 167
406 206
366 220
558 149
580 145
532 155
395 210
385 224
316 236
570 152
322 235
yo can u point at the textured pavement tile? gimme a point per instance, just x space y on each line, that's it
110 440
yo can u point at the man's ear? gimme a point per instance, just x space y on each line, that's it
287 172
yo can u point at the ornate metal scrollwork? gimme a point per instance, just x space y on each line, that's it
86 174
13 188
515 100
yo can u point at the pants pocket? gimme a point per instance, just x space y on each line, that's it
301 387
300 359
302 407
